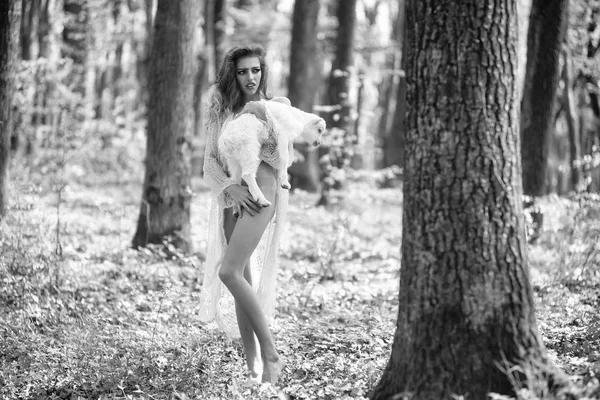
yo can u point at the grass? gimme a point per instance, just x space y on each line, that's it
83 316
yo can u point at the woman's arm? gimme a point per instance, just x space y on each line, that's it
214 174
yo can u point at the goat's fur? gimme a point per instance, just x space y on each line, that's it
242 138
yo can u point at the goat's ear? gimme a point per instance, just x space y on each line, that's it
257 108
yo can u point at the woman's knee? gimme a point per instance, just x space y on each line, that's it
228 274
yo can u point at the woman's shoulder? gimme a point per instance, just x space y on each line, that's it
281 99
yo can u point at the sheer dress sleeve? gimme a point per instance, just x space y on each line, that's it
214 171
269 153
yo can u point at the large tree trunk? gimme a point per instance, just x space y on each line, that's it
547 26
465 302
10 11
338 93
165 208
302 84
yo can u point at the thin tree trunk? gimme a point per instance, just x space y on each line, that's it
243 3
44 28
465 302
302 83
395 144
357 162
304 71
143 63
166 198
220 28
547 26
572 118
209 34
393 148
29 29
74 32
388 89
10 12
200 83
339 91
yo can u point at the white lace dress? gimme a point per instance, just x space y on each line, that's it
216 302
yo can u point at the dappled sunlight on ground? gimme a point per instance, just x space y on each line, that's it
85 315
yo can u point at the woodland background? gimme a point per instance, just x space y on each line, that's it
85 315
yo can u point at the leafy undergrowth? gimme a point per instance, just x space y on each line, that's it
84 316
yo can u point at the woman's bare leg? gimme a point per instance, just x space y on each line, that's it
245 237
251 348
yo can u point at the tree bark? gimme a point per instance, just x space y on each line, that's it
547 26
465 302
10 11
165 208
302 83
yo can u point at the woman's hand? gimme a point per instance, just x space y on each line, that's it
242 200
256 108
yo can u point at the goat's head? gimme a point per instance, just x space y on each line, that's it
313 130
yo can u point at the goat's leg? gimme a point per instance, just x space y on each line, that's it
284 159
235 171
249 166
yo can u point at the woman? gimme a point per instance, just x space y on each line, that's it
238 227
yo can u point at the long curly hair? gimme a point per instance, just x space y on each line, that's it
225 95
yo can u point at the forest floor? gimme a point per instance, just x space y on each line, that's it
83 316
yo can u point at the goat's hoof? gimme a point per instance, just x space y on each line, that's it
265 203
286 185
262 201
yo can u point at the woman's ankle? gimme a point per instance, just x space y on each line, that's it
271 357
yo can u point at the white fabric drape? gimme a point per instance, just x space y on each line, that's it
216 302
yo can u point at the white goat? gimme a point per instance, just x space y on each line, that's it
242 138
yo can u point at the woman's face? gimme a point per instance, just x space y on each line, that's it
248 74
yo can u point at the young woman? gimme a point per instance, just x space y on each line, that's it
239 229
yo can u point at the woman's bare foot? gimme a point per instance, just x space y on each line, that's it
256 368
272 369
